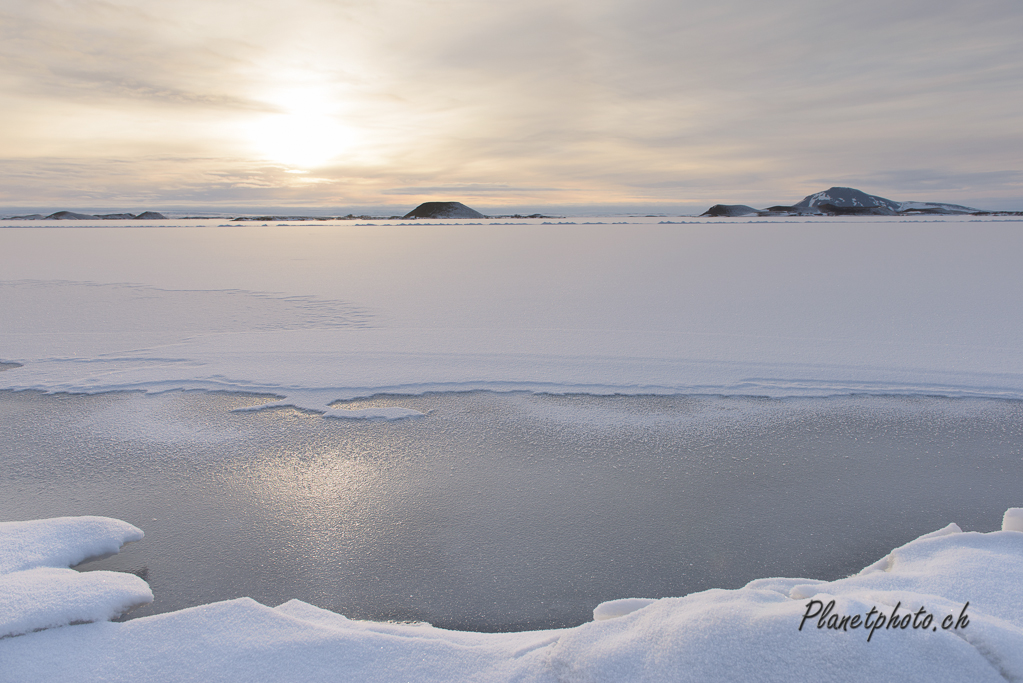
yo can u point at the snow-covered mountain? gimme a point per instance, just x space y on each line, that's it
842 201
933 207
848 198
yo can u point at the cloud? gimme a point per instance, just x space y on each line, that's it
470 189
921 183
645 100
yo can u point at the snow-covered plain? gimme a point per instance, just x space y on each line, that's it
316 314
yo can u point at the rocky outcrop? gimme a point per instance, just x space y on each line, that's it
443 210
70 216
730 210
74 216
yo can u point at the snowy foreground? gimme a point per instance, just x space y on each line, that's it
955 597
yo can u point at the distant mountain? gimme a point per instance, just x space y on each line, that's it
73 216
731 210
70 216
443 210
931 207
847 200
842 201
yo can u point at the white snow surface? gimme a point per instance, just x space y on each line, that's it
757 632
313 314
38 591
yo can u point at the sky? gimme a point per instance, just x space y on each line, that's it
148 104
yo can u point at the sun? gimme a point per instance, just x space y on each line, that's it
301 139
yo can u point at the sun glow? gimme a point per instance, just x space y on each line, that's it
308 132
305 140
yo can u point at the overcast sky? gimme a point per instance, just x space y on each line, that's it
152 103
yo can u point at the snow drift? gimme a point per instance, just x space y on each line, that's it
964 586
37 590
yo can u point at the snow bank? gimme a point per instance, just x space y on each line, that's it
1013 520
954 599
37 590
612 609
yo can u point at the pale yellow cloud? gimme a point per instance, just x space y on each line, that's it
541 102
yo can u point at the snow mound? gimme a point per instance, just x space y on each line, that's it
1013 520
945 607
39 591
612 609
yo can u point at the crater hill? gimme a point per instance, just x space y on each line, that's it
443 210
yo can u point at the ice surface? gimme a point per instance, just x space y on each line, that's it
504 511
766 631
321 313
319 401
37 590
318 313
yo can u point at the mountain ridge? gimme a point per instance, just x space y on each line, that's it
846 201
75 216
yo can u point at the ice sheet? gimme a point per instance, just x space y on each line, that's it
317 313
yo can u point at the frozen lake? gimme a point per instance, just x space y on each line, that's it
314 313
504 511
600 408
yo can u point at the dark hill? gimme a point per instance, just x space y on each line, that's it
443 210
730 210
73 216
846 200
70 216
